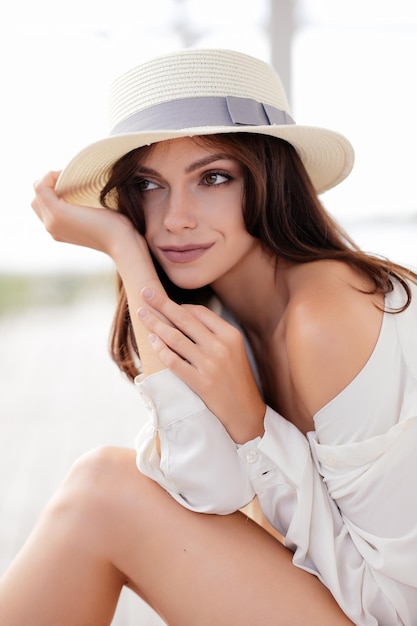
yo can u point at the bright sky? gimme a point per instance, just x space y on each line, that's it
353 71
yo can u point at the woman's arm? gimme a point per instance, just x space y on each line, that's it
211 355
111 233
183 445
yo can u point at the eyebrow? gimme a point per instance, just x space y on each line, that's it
206 161
211 158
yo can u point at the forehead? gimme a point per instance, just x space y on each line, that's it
177 147
163 149
184 151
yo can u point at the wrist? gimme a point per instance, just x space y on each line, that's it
131 255
248 427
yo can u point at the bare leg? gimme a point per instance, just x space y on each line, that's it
109 526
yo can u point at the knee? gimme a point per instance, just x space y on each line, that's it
101 465
94 482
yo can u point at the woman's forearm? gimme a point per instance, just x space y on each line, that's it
136 269
113 234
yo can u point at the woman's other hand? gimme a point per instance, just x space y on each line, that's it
209 355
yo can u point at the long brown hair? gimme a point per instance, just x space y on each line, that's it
280 207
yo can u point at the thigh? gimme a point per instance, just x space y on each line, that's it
199 570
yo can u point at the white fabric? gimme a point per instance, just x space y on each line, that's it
344 497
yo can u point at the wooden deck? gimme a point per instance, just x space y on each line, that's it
60 395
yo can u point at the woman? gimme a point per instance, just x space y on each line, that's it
215 190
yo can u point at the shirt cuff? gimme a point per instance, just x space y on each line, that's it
278 457
168 392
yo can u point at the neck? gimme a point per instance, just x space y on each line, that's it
255 293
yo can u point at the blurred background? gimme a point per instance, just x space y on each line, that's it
347 65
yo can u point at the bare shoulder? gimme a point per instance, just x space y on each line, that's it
331 328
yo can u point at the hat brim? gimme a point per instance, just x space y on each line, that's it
327 156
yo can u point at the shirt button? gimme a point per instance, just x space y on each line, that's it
251 456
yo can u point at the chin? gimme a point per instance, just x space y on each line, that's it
188 279
189 284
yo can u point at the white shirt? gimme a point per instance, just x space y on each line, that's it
344 497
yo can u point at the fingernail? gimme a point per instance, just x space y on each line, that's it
147 293
142 313
152 338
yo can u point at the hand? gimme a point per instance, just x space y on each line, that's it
84 226
209 355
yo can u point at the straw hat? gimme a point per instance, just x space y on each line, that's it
201 92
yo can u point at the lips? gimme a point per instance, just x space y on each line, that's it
184 254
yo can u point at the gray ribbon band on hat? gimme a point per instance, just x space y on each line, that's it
203 111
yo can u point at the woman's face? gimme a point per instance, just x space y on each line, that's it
192 201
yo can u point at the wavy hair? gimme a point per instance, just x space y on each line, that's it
280 208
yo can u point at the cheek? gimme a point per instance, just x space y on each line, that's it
152 230
234 224
150 223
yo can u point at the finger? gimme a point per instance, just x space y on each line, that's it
224 335
35 206
169 357
211 320
181 317
44 192
172 337
49 180
179 366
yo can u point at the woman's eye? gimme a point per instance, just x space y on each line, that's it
146 185
216 178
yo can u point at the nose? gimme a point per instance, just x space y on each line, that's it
180 212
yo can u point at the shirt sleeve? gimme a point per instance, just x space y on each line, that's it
198 462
